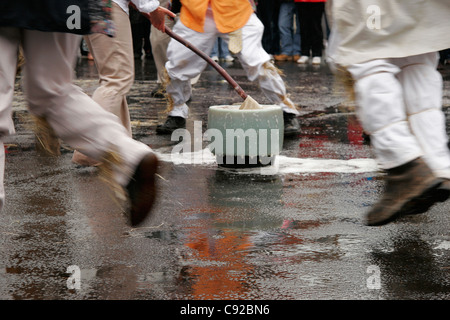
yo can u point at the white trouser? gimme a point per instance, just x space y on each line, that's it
400 106
75 117
183 64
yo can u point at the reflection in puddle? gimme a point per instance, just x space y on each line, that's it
228 261
250 231
164 235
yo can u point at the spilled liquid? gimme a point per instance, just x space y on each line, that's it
281 165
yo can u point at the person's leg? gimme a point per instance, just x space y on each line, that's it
422 92
382 112
317 10
137 40
81 122
285 27
264 14
114 60
9 42
256 63
182 66
146 24
159 43
215 51
224 51
2 174
305 28
115 64
296 36
275 32
267 12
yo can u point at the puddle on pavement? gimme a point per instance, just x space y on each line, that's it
234 243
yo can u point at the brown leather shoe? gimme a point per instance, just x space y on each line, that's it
405 185
428 199
142 189
282 57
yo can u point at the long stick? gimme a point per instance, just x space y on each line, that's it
205 57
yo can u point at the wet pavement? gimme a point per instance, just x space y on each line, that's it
216 233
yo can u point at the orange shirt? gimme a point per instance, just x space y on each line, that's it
229 15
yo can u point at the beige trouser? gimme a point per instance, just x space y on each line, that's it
114 60
48 84
160 41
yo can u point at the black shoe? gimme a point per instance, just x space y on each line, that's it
158 92
171 124
142 189
291 125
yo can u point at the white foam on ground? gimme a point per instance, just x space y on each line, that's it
202 157
445 245
282 164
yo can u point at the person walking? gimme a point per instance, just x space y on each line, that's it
289 27
50 48
310 14
389 51
114 59
202 22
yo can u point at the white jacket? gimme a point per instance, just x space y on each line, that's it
364 30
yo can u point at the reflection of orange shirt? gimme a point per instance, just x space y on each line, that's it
229 15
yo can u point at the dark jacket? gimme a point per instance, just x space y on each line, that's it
69 16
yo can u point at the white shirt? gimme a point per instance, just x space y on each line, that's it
145 6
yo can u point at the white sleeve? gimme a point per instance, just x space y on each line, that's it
146 6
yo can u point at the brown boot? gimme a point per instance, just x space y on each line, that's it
405 185
424 202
